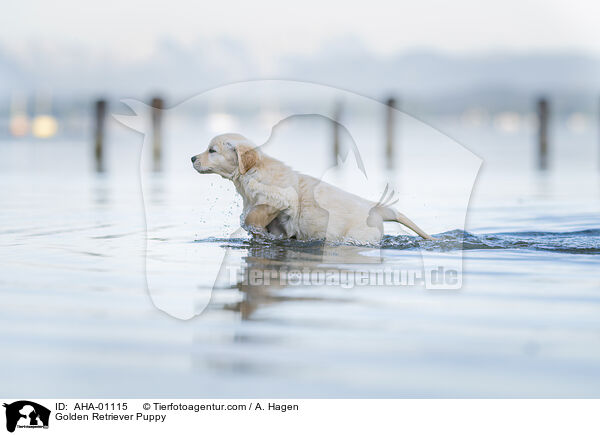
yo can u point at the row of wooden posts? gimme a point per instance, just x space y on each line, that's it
391 122
157 105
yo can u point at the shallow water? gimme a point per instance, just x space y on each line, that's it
573 242
77 318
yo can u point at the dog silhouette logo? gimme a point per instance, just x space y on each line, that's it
26 414
287 120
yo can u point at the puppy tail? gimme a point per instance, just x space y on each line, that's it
391 215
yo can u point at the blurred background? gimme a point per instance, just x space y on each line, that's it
481 65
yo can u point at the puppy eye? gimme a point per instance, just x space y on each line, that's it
211 151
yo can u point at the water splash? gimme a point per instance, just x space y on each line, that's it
576 242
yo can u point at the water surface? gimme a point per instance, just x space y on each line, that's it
77 319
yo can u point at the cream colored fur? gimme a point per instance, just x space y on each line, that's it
280 202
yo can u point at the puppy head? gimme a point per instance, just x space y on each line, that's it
227 155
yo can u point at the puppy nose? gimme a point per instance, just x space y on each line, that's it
193 159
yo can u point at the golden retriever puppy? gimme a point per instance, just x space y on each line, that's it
280 202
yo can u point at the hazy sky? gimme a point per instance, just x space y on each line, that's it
369 46
131 29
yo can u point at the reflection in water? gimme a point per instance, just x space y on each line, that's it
268 268
101 190
262 270
157 190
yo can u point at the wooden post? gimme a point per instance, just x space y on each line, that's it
543 111
390 130
100 109
337 114
157 110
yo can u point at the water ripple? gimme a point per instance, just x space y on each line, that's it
576 242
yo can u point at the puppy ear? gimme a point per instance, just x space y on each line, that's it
247 157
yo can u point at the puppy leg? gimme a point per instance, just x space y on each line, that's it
276 226
259 217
